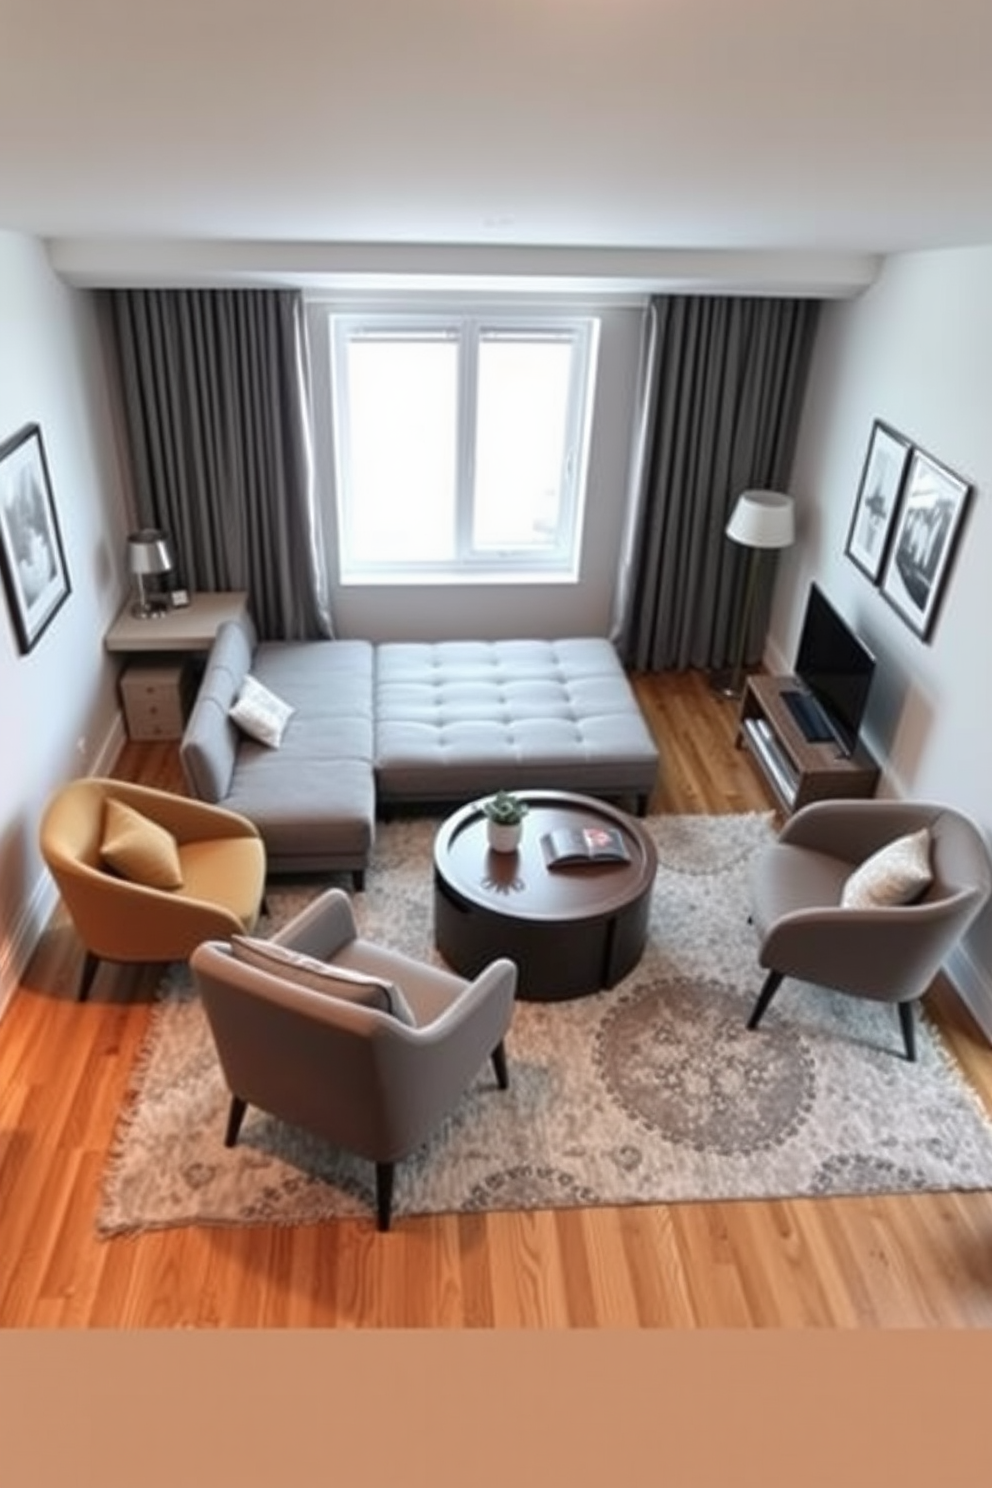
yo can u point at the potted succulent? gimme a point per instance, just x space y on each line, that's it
504 813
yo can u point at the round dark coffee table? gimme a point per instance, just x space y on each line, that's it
570 930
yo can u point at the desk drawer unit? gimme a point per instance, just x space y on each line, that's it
155 697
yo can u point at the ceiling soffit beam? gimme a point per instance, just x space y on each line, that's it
378 267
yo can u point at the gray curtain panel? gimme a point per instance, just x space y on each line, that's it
719 399
216 393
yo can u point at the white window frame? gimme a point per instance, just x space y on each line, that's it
469 326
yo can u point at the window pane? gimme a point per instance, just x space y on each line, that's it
522 409
460 442
402 406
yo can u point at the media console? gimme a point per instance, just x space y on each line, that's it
798 769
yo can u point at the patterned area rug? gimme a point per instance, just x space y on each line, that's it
651 1092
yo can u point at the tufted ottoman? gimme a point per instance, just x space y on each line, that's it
455 719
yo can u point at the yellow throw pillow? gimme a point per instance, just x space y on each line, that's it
139 849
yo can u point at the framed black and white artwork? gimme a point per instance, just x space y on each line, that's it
32 559
877 500
927 529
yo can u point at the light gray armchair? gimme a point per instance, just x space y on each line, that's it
889 953
358 1077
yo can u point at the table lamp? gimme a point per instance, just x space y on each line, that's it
148 553
759 520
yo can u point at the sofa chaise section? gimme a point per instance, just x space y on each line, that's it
455 719
312 798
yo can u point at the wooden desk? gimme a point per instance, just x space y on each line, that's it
190 629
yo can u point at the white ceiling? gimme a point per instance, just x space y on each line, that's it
292 130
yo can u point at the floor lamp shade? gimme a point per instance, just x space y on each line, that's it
760 519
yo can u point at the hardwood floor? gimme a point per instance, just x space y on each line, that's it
916 1261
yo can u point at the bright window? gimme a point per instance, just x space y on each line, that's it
460 443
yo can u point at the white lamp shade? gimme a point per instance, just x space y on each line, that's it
148 552
763 519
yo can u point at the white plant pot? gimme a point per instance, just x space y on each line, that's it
503 838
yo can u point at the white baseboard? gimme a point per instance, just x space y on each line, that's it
109 751
973 986
17 948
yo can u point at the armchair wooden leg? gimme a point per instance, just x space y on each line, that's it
499 1065
90 964
234 1119
908 1022
384 1193
772 982
358 879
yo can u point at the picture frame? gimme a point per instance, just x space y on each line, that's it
32 558
924 541
877 500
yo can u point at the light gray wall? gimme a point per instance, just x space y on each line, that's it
63 691
484 611
916 351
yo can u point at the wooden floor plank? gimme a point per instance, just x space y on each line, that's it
703 1234
596 1273
917 1261
779 1270
475 1249
528 1285
654 1262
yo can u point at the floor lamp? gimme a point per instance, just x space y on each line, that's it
760 519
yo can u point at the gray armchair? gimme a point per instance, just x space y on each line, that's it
359 1078
889 953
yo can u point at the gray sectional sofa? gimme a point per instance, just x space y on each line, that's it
380 726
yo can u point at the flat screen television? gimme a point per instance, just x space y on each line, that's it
836 669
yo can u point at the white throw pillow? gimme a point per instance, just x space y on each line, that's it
259 713
895 874
323 976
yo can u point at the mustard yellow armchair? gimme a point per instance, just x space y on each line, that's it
222 866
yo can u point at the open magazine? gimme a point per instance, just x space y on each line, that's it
569 845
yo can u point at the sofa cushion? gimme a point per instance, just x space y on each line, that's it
318 791
312 799
304 805
457 718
